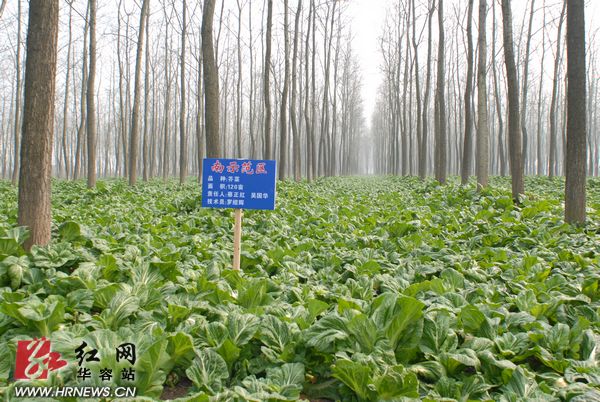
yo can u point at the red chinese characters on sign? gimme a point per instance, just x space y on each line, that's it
247 168
234 167
260 168
217 167
34 360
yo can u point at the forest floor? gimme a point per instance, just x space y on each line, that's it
353 289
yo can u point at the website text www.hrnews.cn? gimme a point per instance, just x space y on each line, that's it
74 392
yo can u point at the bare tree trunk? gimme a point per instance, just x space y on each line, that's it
124 95
83 119
332 136
5 126
167 111
514 129
440 104
134 137
325 105
122 123
575 188
313 113
38 121
501 154
127 98
19 90
454 164
307 116
483 133
66 104
296 135
239 106
145 161
211 83
525 87
425 117
591 110
539 164
252 95
417 83
552 152
406 92
283 145
563 131
91 102
183 151
200 118
266 82
409 137
468 140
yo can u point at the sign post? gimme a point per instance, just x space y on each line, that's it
237 238
239 184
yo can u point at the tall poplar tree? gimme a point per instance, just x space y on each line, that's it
38 121
575 189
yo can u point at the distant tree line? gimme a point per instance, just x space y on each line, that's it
522 120
131 79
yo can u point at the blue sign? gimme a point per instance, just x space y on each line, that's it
238 183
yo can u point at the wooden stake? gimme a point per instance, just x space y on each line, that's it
237 238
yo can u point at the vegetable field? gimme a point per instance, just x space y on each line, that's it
353 289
